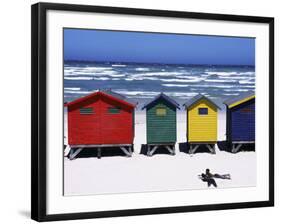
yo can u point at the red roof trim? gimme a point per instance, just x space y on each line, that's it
79 100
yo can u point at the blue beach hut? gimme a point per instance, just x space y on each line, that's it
240 120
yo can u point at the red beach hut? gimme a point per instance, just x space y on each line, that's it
101 119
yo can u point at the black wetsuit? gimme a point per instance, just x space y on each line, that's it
209 179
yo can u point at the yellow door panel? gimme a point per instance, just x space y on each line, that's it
202 122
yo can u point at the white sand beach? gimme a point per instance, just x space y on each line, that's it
161 172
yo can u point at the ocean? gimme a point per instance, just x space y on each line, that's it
142 82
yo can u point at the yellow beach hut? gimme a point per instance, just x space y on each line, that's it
202 123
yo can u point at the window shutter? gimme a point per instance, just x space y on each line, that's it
114 110
87 110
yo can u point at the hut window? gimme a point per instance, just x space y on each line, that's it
203 111
86 110
113 110
161 111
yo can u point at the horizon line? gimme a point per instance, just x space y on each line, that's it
157 63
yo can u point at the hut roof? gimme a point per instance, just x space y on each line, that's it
119 96
239 99
198 97
108 93
165 97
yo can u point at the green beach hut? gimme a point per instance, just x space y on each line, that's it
161 123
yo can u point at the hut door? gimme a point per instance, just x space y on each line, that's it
112 124
95 125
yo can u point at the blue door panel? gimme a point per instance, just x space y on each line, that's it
243 122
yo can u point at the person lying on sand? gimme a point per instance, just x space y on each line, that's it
209 177
220 176
210 181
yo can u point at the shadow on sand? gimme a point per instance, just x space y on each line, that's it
226 147
184 147
105 152
159 150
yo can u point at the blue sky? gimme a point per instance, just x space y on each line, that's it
139 47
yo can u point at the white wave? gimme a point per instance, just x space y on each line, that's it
82 73
95 74
253 86
101 78
147 78
175 85
242 90
149 94
108 73
231 94
236 90
247 82
116 75
159 74
186 95
214 86
100 73
220 80
234 77
135 93
77 92
72 88
115 79
87 70
181 80
247 73
78 78
88 73
119 65
141 97
95 68
222 73
69 70
140 78
142 69
188 76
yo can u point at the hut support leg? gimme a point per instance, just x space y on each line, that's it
171 150
130 150
99 153
67 150
235 149
127 152
212 149
74 154
150 152
193 150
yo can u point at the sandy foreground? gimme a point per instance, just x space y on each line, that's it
140 173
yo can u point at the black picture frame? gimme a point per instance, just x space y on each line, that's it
38 109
